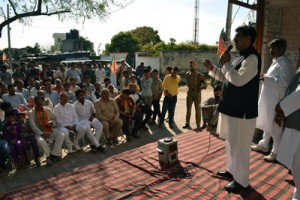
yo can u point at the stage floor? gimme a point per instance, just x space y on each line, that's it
136 174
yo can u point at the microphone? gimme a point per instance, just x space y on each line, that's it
229 48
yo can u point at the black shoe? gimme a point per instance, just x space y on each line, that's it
225 174
100 149
55 158
49 161
186 126
234 186
37 162
128 137
93 148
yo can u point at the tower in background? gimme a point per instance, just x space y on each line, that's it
196 23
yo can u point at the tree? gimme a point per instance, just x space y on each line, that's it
34 50
86 44
75 9
123 42
146 35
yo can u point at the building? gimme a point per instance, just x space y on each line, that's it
58 41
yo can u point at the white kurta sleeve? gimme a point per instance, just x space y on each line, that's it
247 71
291 103
217 74
284 77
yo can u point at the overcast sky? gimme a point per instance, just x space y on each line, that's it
172 19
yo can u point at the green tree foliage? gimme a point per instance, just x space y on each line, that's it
146 39
34 50
146 35
87 45
64 9
123 42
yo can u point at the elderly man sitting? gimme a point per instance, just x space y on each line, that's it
108 112
42 121
67 121
86 114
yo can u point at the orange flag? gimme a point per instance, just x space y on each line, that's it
4 56
114 66
223 43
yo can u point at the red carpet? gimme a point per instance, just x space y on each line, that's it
136 174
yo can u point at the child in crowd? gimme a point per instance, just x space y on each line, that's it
12 134
135 81
28 138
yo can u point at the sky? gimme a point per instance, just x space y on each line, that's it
171 18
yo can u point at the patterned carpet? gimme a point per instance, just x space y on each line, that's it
136 174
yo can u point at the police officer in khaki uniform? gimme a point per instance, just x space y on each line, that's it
195 82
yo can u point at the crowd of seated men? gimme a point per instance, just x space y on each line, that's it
48 111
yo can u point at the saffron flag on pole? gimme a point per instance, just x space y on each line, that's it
223 43
113 71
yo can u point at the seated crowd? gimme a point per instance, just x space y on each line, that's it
65 109
51 110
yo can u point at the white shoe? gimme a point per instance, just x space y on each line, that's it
271 157
76 146
259 148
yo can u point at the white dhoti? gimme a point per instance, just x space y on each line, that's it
80 132
57 137
276 134
238 134
98 130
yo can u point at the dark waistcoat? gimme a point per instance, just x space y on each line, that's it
242 101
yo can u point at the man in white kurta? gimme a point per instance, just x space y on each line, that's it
67 120
275 82
86 116
289 148
239 99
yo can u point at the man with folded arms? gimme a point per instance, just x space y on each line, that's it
42 122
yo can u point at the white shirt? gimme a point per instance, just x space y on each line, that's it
65 115
84 111
100 73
